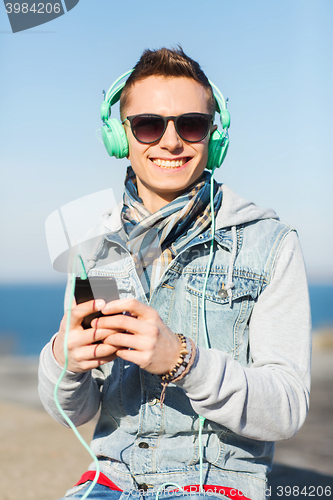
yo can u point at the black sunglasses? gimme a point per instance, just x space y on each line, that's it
191 127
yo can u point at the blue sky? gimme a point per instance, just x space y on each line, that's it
273 60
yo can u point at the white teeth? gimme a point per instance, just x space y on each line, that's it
169 163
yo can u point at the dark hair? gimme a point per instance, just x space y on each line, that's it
169 63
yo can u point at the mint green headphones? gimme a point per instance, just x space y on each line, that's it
114 135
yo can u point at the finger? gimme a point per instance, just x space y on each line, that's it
93 352
126 341
82 337
79 354
122 322
140 358
95 363
133 306
91 336
79 312
115 322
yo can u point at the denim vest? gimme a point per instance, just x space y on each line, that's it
137 440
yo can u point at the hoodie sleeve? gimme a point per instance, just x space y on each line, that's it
79 394
268 400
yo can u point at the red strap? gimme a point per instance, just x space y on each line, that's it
103 479
193 488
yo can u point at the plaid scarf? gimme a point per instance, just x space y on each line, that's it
155 239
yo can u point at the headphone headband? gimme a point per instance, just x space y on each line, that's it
113 95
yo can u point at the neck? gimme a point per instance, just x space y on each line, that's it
153 200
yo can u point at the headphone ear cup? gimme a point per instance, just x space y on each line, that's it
217 149
225 118
114 138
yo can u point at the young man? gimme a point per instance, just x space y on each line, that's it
247 383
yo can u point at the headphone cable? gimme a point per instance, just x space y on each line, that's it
55 394
211 254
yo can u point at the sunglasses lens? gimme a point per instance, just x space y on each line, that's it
147 129
193 127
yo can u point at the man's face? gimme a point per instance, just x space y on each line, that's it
159 184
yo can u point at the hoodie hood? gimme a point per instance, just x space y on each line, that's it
235 210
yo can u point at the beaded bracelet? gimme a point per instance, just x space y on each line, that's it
192 355
182 366
181 362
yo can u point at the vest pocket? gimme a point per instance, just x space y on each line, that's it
227 327
245 285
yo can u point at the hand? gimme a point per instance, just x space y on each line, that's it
148 341
83 352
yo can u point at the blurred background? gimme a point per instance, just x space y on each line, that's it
272 60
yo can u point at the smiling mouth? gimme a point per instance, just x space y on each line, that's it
170 163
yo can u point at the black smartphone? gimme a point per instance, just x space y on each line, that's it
95 287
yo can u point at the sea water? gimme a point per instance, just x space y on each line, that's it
31 313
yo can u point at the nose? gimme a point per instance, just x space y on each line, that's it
170 139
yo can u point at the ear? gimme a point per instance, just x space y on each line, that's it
125 130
